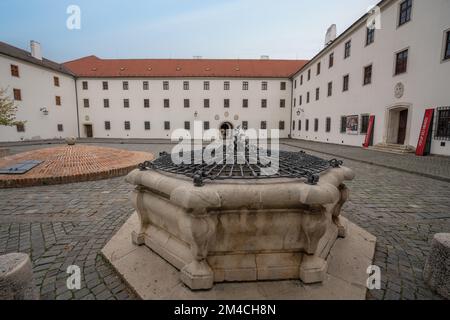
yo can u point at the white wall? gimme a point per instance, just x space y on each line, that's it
38 91
426 81
96 114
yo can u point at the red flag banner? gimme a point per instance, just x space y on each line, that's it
425 132
369 134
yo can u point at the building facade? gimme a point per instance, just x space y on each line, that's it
393 72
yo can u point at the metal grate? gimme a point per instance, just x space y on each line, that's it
20 168
291 165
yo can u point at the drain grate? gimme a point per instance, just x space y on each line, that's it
21 167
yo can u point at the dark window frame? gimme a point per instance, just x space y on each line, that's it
226 103
186 85
401 62
146 103
105 103
226 85
317 94
264 86
145 86
60 127
166 85
20 127
331 60
58 100
206 125
15 71
126 103
206 103
367 75
364 127
442 124
17 94
86 103
125 85
85 85
245 103
166 103
282 103
187 125
245 125
328 124
346 83
56 82
330 89
245 85
186 103
347 49
147 125
263 125
283 86
281 125
316 125
105 85
264 103
446 45
405 12
343 128
370 36
127 125
206 85
166 125
319 66
107 125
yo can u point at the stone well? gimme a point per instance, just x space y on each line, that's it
241 229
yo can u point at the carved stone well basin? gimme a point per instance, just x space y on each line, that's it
241 229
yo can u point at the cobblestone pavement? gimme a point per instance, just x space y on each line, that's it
69 224
433 166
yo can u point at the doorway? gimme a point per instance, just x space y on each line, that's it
403 121
226 130
88 130
397 128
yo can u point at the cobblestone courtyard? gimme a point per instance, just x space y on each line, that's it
68 224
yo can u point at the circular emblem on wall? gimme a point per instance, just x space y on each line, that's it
226 114
236 117
86 118
399 90
299 113
217 117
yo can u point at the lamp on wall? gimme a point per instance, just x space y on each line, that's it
195 114
44 111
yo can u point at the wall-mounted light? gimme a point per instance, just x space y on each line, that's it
195 114
44 111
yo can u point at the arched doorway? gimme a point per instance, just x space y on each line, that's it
397 129
226 129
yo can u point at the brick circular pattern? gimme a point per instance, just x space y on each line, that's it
69 164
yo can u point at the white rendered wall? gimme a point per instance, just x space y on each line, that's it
426 81
96 114
38 91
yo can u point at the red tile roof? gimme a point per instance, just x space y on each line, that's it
93 66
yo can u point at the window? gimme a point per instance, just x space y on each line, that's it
60 128
126 103
316 125
300 100
226 85
165 85
17 94
107 125
295 84
58 100
166 103
245 125
330 89
206 103
331 60
206 125
443 123
328 124
283 86
125 85
15 72
85 85
405 12
106 103
447 46
206 85
264 86
127 125
370 35
245 85
317 94
56 81
105 85
245 103
293 125
282 103
145 85
318 68
147 125
401 62
301 80
281 125
166 125
86 103
364 123
309 74
20 127
264 103
226 103
368 75
146 103
185 85
307 125
263 125
295 102
186 103
299 125
343 124
347 50
187 125
345 83
307 97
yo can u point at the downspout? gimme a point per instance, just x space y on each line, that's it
78 113
292 106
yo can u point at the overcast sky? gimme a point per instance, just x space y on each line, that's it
282 29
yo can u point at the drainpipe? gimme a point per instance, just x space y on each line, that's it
78 113
292 106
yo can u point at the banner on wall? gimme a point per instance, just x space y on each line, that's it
352 124
369 136
424 143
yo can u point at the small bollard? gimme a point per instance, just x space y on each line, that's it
16 278
437 267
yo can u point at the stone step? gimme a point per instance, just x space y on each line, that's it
393 148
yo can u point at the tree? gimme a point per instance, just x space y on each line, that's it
8 110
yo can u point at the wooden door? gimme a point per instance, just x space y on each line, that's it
402 127
88 130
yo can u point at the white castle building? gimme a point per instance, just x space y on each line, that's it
393 72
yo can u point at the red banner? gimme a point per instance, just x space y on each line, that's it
424 132
369 132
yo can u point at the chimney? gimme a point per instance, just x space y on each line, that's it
331 35
264 57
36 50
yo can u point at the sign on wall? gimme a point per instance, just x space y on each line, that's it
424 143
352 124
